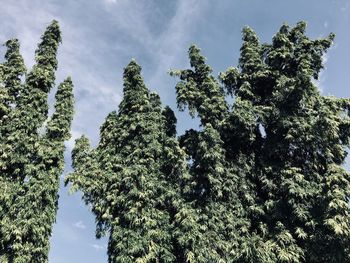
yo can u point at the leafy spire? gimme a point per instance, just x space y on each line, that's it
14 69
135 91
41 78
170 121
32 157
293 160
200 91
250 58
59 126
128 179
210 221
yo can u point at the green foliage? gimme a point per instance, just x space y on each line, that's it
200 91
31 150
130 178
263 181
278 151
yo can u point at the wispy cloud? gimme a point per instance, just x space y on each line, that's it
80 225
26 20
99 247
325 24
173 43
345 7
70 143
320 82
17 22
322 76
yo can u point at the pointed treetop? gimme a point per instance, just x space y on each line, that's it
249 35
281 38
299 29
64 89
81 149
136 94
170 121
59 125
197 60
199 90
250 59
14 68
46 52
155 99
53 31
132 77
13 56
133 68
133 81
12 45
284 29
82 143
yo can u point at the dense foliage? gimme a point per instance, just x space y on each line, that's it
260 181
129 178
31 149
279 149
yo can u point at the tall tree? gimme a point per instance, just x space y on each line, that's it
211 223
281 146
31 155
130 178
301 184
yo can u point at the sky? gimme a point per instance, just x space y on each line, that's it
100 37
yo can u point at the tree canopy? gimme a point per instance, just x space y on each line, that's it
130 178
31 149
261 180
279 151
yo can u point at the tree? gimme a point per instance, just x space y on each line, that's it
212 222
130 178
303 138
281 146
31 152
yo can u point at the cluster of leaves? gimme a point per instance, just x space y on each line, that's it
275 158
129 178
31 149
261 181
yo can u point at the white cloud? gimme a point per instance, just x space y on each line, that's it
345 8
17 22
130 17
65 232
171 46
80 225
99 247
71 142
322 75
325 24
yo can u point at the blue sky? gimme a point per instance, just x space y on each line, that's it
101 36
